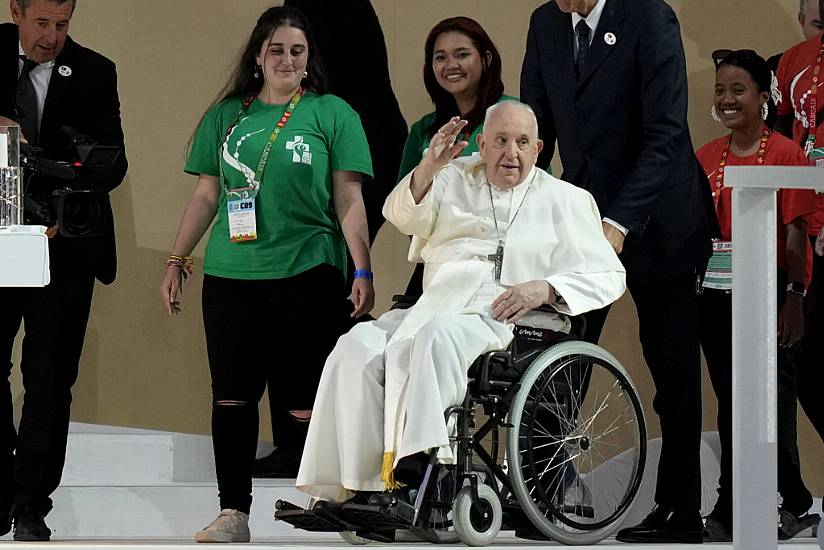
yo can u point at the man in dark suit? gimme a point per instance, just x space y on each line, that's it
49 83
607 79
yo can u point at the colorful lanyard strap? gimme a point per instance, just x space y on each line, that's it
718 184
810 145
264 156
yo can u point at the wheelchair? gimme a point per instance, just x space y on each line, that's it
550 442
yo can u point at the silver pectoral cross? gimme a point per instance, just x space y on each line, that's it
498 259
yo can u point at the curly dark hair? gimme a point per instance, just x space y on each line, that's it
758 69
490 87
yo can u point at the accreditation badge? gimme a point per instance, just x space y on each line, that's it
242 223
817 158
719 268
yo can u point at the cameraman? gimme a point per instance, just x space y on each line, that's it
49 83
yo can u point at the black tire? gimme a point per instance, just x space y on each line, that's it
577 446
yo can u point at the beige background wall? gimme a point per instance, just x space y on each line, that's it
141 368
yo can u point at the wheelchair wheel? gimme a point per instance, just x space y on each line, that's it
477 526
353 539
577 444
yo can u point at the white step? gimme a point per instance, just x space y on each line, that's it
119 459
101 455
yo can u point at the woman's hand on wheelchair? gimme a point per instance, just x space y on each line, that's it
363 296
519 300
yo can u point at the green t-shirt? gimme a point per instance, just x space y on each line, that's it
418 141
296 224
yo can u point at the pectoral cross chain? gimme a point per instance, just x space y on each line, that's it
498 259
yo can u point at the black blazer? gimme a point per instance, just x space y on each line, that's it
621 128
340 28
87 101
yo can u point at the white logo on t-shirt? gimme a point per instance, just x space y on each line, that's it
800 108
300 150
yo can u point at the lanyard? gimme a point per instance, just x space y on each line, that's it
810 145
718 185
252 190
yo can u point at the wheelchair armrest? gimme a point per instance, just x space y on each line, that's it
485 367
579 323
402 301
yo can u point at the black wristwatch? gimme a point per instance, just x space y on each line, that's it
797 287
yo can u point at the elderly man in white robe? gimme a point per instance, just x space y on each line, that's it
499 237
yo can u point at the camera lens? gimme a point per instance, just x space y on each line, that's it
83 215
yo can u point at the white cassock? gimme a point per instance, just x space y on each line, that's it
387 383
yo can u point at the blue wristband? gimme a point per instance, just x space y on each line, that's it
364 274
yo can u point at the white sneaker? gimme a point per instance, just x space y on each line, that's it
228 526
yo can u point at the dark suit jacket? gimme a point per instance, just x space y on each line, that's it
340 28
87 101
622 129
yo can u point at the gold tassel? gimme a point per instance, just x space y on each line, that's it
388 472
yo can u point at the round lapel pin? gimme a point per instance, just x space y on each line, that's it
610 39
64 70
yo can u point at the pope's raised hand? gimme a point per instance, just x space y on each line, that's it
444 145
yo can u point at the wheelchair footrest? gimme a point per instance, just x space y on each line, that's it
398 515
308 520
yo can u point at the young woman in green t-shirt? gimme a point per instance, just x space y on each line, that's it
279 165
462 73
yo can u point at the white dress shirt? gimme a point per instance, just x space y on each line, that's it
591 20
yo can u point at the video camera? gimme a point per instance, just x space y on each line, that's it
78 213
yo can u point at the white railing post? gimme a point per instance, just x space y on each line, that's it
754 342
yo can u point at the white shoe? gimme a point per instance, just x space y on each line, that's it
228 526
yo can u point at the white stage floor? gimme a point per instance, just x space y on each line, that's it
321 541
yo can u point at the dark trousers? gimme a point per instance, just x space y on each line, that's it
800 381
810 356
55 318
716 341
669 333
254 328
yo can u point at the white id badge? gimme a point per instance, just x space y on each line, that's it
242 223
817 157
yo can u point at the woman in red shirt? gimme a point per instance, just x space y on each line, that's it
741 103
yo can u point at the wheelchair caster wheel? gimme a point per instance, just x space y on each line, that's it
477 526
353 539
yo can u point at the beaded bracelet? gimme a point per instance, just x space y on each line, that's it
364 274
184 263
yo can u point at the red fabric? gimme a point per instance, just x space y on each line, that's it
792 203
815 221
795 77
